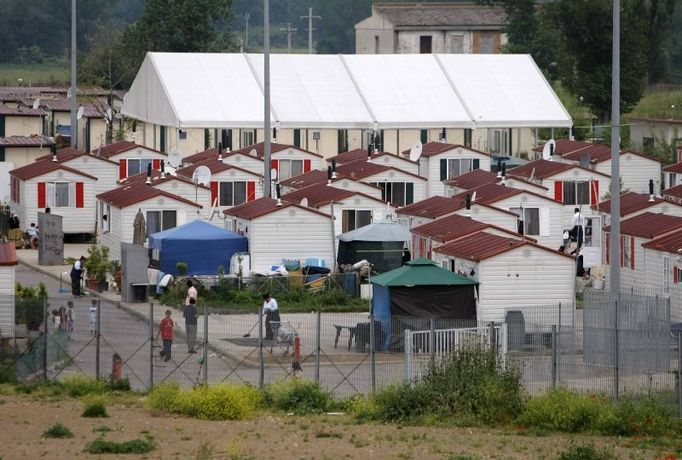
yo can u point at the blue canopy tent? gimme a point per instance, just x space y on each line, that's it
420 290
202 246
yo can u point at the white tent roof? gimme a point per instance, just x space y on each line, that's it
202 90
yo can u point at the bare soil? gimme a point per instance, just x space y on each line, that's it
24 418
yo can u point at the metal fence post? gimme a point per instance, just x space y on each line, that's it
432 340
205 356
491 335
616 356
679 374
554 355
151 345
261 362
97 339
408 354
45 336
372 355
318 332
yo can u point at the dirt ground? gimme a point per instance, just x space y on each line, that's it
24 418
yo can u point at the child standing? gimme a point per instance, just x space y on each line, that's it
69 317
56 320
92 317
166 332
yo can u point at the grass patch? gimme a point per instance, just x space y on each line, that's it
95 409
585 452
299 396
217 402
47 73
657 105
564 410
468 387
134 446
58 431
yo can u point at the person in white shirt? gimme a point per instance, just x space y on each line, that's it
271 312
76 275
191 292
577 231
32 232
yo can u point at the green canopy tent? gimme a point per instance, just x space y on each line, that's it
421 290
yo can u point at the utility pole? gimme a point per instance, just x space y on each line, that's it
310 18
267 185
288 29
74 92
246 31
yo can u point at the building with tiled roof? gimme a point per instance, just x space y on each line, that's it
20 121
8 262
23 150
633 204
106 171
382 158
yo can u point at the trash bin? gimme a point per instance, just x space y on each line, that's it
516 329
116 367
361 337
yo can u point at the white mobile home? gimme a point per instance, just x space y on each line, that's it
513 274
479 177
317 177
288 160
662 268
66 191
380 158
438 206
176 185
288 231
22 150
8 262
106 171
633 204
162 211
400 188
131 158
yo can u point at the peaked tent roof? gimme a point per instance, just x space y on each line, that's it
195 230
378 231
204 90
421 272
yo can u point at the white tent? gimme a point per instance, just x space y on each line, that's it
202 90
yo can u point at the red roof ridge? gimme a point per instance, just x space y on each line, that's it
216 166
263 206
649 225
156 179
39 168
122 146
130 194
321 199
481 245
67 154
433 148
274 148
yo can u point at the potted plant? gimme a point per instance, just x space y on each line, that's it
97 265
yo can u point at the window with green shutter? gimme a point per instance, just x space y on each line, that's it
476 164
443 169
297 137
409 193
162 138
424 136
2 126
2 153
207 139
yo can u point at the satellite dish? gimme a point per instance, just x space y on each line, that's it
175 159
36 104
304 202
79 115
416 151
201 175
253 152
273 174
548 149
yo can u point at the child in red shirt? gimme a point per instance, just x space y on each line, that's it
166 332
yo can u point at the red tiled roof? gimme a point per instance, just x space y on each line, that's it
482 245
668 243
209 154
545 168
214 165
68 153
8 254
359 170
675 191
322 194
20 111
361 154
434 148
631 202
91 109
432 207
110 150
274 148
598 153
316 176
649 225
454 227
141 178
39 168
472 179
675 168
263 206
26 141
130 194
565 146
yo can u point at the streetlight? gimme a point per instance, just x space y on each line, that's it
672 111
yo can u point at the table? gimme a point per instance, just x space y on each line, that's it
351 334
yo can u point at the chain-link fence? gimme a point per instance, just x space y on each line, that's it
348 353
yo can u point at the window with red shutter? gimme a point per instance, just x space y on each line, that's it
250 190
156 164
122 169
42 201
214 192
559 191
306 166
80 195
594 195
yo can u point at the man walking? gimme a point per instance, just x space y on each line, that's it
190 315
76 275
271 312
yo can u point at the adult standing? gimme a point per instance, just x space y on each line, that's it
578 227
271 312
190 315
191 292
76 275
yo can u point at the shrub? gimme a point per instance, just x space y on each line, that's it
58 431
299 396
77 385
119 385
95 409
135 446
636 417
218 402
585 452
363 408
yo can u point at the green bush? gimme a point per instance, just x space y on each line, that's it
135 446
77 385
585 452
299 396
217 402
95 409
469 386
564 410
58 431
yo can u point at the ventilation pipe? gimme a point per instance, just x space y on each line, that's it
651 191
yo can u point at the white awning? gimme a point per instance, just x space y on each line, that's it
203 90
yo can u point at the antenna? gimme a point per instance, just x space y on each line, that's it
220 151
304 202
468 205
274 135
79 115
504 172
201 175
416 151
175 159
548 150
473 197
329 175
36 104
443 135
279 195
369 151
499 168
651 191
54 156
163 169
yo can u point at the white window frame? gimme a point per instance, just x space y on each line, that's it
460 169
222 184
284 168
51 194
517 211
137 161
161 223
574 199
388 197
344 215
